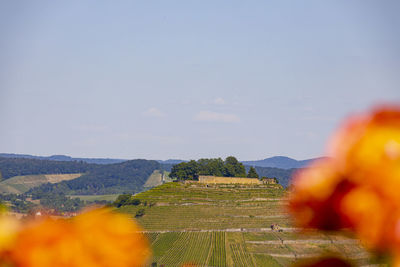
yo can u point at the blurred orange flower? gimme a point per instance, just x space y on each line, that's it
315 196
357 186
95 238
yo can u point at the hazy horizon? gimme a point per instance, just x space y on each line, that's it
189 80
286 156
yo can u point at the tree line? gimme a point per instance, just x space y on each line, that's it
230 167
125 177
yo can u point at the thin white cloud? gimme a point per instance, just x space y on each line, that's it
154 112
91 128
219 101
216 117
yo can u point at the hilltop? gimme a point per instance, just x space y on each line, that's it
229 225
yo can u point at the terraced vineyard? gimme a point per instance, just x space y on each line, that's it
217 250
229 225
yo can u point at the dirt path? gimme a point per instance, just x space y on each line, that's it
357 256
223 230
263 199
298 256
260 216
306 241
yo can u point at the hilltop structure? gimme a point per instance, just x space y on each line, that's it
235 180
227 180
266 180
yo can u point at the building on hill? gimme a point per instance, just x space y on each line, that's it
266 180
227 180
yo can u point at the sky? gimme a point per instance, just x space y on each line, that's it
191 79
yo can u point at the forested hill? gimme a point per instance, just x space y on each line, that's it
10 167
128 176
279 162
125 177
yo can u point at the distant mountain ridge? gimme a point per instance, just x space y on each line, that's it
171 161
87 160
280 162
64 158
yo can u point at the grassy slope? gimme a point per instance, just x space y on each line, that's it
155 179
91 198
184 210
21 184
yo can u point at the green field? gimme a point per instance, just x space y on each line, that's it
92 198
229 225
21 184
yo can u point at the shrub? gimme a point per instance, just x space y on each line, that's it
140 213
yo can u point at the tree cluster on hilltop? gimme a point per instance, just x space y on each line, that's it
230 167
252 173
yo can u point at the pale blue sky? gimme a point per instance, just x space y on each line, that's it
190 79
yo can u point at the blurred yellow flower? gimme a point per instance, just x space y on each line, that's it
95 238
8 229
